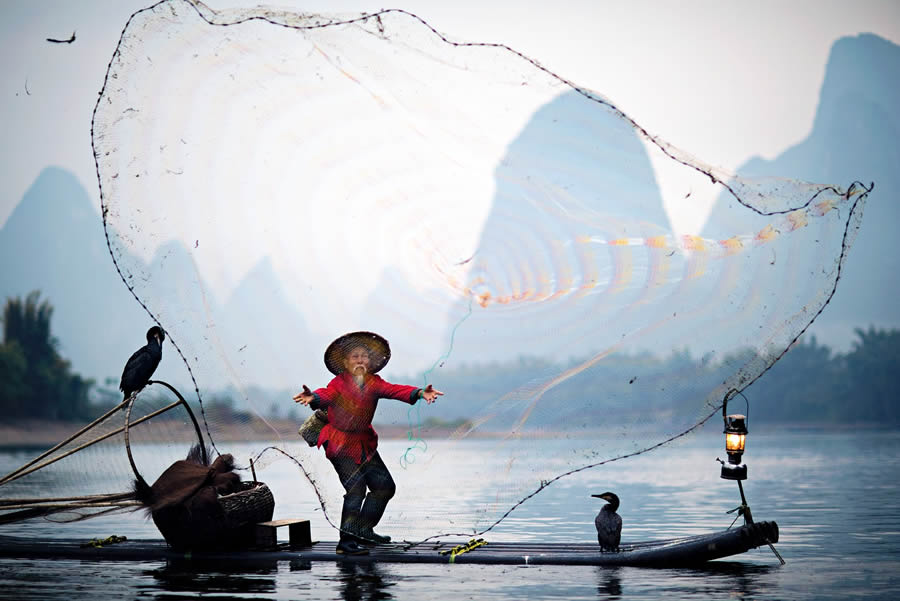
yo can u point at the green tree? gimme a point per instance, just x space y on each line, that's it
871 367
14 389
36 380
801 387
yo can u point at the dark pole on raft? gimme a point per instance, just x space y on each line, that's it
735 440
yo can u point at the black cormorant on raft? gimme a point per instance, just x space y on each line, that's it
609 523
142 363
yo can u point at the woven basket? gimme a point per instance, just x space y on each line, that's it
232 526
254 503
313 425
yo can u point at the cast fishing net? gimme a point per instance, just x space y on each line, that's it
271 180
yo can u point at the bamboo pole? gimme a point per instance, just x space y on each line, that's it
87 444
102 418
75 505
32 512
123 496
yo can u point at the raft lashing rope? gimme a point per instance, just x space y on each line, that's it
460 549
97 543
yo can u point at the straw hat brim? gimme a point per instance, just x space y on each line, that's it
379 351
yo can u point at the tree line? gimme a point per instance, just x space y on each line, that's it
809 385
35 381
813 385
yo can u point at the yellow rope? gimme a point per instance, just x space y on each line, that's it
110 540
460 549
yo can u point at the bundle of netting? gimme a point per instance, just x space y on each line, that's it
271 181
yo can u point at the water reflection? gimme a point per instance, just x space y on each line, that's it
361 581
180 577
735 580
609 585
715 580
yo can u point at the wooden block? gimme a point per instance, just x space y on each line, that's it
265 535
298 532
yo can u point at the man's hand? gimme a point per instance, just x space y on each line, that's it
430 394
306 397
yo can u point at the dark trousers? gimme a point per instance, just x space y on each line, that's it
363 510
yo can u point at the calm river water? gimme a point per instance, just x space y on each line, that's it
834 496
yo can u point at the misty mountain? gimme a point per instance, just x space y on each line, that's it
854 137
573 164
53 242
265 336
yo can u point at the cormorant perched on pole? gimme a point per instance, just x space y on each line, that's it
142 363
609 523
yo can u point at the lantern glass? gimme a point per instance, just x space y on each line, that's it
734 442
735 439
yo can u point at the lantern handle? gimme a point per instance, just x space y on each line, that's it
730 395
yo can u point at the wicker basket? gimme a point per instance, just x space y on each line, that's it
313 425
232 526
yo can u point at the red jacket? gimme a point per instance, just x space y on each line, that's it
349 431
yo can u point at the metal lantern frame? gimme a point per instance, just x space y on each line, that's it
735 442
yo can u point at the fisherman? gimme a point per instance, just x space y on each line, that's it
348 438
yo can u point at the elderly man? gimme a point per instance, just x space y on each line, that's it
350 442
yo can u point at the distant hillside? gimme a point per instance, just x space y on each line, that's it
854 137
267 337
574 152
53 242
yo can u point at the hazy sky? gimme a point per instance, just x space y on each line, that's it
723 80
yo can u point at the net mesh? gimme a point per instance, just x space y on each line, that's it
270 180
91 471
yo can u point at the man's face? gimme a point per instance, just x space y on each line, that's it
357 361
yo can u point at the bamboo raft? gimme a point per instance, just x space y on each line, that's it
240 528
678 552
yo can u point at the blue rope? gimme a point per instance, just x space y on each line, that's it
415 426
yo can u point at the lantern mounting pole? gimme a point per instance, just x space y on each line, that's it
738 426
748 517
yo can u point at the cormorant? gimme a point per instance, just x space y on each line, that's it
609 523
142 363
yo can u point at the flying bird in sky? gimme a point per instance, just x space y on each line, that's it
68 41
